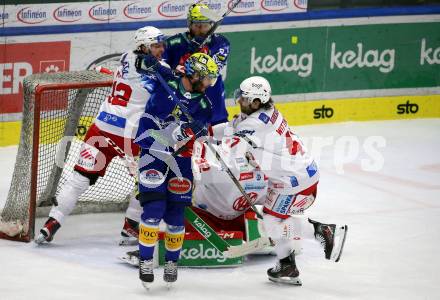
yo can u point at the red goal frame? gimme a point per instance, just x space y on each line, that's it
39 90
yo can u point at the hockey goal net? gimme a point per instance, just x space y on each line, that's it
57 111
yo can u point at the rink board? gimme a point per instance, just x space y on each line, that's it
360 109
306 113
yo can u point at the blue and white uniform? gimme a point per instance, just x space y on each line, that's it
164 191
179 47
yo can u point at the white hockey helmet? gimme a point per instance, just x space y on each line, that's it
255 87
147 36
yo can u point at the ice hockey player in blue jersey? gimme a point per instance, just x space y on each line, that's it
165 189
179 47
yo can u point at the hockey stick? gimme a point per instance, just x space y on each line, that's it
217 20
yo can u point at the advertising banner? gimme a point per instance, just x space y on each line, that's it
338 58
23 59
133 11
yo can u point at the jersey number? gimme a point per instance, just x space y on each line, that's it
121 94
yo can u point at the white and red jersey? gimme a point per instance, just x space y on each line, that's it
120 112
261 143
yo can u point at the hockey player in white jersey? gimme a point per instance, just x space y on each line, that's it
274 168
114 127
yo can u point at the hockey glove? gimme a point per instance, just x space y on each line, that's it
185 135
146 63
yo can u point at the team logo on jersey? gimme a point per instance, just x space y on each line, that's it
254 186
293 181
179 186
263 117
87 157
241 204
312 169
283 203
243 133
151 176
246 176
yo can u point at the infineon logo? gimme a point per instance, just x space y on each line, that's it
301 4
29 16
216 6
243 7
4 16
274 5
172 10
67 15
101 13
136 10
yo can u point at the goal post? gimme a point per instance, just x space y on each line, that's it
58 108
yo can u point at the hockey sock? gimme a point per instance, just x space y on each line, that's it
134 209
174 237
69 195
148 236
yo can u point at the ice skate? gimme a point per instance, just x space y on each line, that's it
131 257
129 233
146 274
332 238
48 231
285 271
170 273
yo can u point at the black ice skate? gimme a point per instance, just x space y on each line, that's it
146 274
129 233
170 272
332 238
48 231
285 271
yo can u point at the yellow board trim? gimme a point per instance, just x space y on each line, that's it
306 113
360 109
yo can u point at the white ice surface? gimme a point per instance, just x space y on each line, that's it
392 248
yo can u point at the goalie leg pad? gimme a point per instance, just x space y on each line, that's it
68 196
